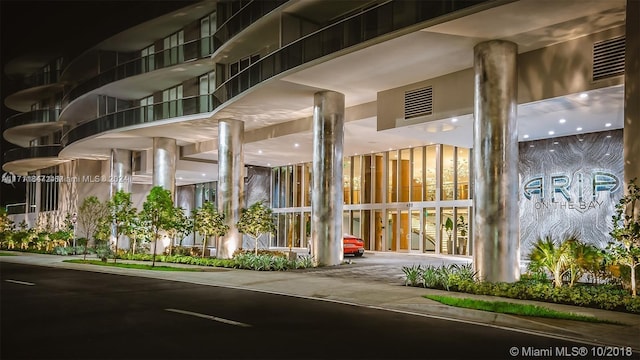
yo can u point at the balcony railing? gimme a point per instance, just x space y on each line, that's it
38 78
374 22
140 115
43 151
32 117
192 50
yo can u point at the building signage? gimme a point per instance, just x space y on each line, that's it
581 191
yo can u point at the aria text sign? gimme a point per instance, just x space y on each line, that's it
579 192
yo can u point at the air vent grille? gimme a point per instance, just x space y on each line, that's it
608 58
418 102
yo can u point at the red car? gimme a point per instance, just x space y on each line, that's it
353 245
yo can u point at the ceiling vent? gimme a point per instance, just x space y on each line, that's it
608 58
418 102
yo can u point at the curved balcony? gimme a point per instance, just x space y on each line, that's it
189 51
141 115
21 128
23 160
374 22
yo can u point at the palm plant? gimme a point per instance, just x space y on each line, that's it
583 257
546 255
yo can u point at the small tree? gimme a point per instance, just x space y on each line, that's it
208 221
157 215
136 232
626 232
122 212
255 221
180 228
91 214
546 255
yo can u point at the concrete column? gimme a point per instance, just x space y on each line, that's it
326 187
230 183
632 94
495 162
120 170
165 151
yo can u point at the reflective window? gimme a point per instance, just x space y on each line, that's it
448 172
417 174
462 170
430 173
346 180
392 177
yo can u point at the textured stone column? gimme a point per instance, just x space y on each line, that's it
230 183
165 151
120 170
326 187
632 93
495 162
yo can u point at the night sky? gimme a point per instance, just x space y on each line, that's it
68 27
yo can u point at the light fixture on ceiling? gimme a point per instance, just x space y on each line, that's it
555 143
179 177
584 96
268 164
580 139
454 120
204 174
296 145
562 121
607 154
551 132
525 136
608 136
259 151
552 150
532 146
579 129
607 125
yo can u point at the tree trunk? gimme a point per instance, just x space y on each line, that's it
633 279
115 253
133 251
204 244
155 245
256 240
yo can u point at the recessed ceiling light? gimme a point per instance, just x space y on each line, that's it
268 164
525 136
579 129
580 139
584 96
454 120
607 154
607 125
551 132
562 121
259 151
555 143
179 177
296 144
608 136
204 174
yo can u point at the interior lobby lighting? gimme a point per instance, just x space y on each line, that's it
607 125
562 121
551 132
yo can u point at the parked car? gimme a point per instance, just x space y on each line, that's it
353 245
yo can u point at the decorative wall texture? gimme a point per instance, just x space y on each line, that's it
570 185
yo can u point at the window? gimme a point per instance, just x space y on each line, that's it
172 102
173 50
207 84
208 27
146 109
242 64
147 58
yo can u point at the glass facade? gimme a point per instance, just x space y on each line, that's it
391 200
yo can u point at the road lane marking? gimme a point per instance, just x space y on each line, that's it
20 282
209 317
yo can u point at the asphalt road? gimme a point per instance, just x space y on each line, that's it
51 313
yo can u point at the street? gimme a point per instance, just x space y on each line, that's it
52 313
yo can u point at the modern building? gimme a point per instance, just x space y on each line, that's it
463 127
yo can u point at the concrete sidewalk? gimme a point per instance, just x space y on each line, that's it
376 282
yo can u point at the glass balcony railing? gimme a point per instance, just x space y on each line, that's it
32 117
141 115
192 50
39 78
374 22
43 151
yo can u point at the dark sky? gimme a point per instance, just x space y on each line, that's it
68 27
